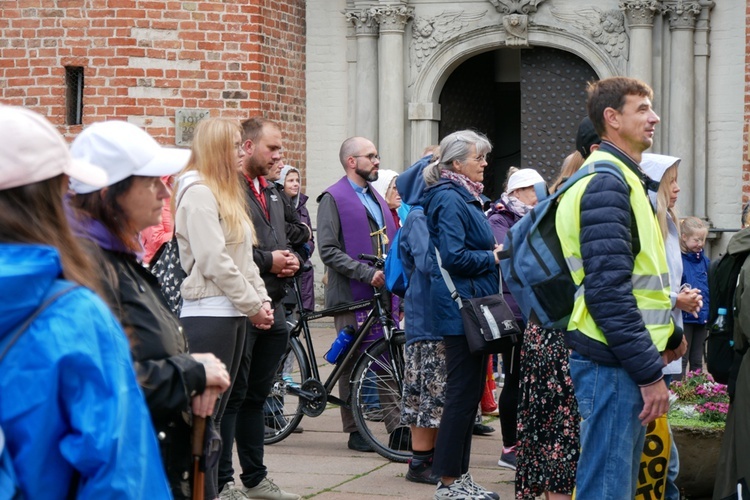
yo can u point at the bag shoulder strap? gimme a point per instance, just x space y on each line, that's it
182 193
452 287
601 167
177 204
58 289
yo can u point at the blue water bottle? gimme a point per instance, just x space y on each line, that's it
343 339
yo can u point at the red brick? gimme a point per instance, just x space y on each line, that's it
261 46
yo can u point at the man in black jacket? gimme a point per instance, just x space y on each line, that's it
277 232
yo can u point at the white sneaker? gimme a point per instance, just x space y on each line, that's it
267 490
231 492
479 490
458 490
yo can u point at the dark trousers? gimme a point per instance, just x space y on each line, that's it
225 338
347 419
466 375
509 397
243 420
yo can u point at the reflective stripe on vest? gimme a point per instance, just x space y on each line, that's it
650 279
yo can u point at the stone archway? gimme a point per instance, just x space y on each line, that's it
424 108
528 102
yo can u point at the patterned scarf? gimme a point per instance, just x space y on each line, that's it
475 188
515 205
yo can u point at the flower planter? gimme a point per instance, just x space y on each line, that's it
699 453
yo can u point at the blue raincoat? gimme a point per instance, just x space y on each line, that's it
70 406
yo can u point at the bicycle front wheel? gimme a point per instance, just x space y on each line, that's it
282 410
377 385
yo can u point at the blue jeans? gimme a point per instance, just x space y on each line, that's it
612 436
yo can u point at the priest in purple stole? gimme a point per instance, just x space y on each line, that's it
353 219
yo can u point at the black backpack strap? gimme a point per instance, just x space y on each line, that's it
58 289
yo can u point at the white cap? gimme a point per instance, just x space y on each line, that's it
124 149
523 178
655 165
34 151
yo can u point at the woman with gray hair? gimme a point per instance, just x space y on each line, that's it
460 233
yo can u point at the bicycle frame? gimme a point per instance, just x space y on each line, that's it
376 313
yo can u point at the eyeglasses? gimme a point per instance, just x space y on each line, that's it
371 156
480 158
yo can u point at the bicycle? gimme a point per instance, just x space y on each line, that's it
376 381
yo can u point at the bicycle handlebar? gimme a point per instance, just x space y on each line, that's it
372 259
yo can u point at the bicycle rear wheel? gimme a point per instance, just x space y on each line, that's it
377 385
283 409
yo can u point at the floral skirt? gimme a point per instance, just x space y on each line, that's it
548 418
424 384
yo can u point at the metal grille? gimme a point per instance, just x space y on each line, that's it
553 102
74 94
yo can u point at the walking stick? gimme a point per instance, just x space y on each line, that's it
199 432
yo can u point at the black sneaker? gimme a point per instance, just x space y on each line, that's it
421 473
508 458
358 443
482 430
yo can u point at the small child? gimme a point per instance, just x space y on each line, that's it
693 232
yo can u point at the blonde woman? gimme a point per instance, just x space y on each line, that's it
215 238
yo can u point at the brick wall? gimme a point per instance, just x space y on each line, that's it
145 59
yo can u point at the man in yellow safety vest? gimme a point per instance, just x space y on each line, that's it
621 329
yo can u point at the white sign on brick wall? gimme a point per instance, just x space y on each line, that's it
185 122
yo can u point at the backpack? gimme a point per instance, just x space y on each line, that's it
532 260
723 274
396 280
9 487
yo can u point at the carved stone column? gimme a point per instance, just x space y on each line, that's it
392 115
351 80
681 120
640 18
425 121
700 149
366 108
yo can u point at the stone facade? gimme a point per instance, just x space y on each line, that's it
690 51
145 60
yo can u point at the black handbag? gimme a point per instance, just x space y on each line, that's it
489 324
166 266
168 271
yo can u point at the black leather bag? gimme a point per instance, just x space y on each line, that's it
489 324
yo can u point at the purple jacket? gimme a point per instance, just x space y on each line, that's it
308 279
501 220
